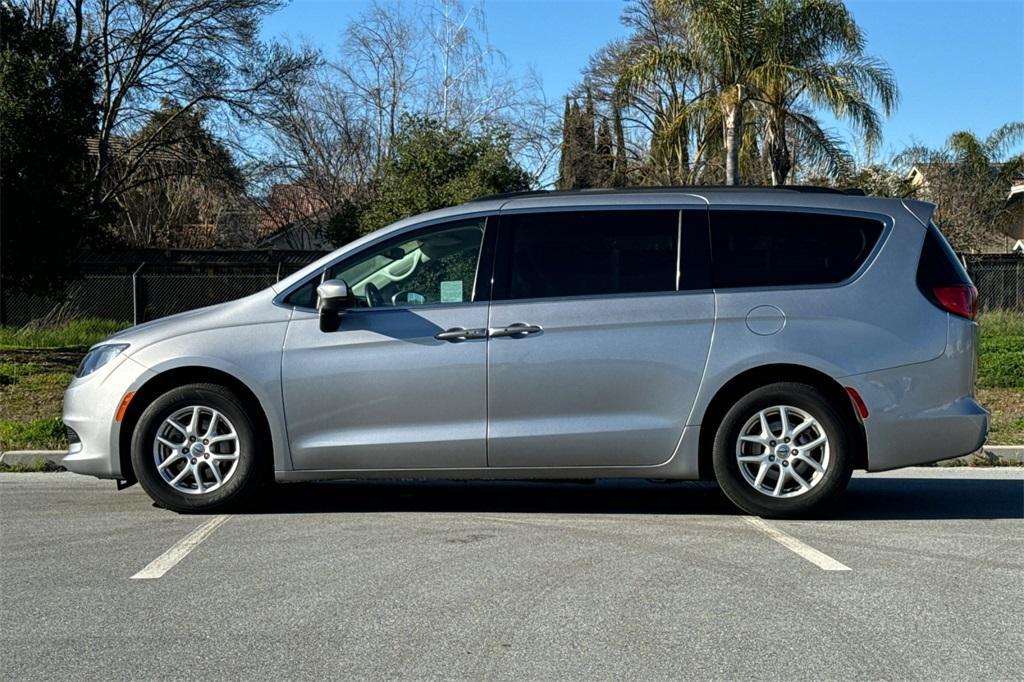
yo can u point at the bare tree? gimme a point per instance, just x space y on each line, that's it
381 67
199 53
323 152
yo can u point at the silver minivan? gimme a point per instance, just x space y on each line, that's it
772 339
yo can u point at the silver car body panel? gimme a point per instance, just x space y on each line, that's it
382 392
612 386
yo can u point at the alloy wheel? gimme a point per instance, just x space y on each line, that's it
196 450
783 451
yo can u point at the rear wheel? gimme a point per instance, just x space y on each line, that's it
783 450
195 449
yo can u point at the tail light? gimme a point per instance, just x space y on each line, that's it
959 299
942 278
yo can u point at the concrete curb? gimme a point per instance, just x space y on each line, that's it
992 455
29 457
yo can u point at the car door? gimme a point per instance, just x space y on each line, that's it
600 322
385 391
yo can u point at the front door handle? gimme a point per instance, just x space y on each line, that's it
519 329
456 334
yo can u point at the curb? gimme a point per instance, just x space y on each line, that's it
990 455
29 457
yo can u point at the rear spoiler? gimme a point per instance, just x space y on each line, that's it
922 210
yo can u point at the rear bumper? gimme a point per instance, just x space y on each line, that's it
918 414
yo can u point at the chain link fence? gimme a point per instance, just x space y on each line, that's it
1000 282
165 283
138 296
131 299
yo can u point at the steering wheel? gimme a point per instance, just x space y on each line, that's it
374 298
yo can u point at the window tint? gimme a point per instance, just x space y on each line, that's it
436 265
775 248
588 253
939 265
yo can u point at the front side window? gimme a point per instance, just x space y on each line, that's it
588 253
432 266
779 248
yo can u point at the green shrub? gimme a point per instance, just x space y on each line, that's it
74 334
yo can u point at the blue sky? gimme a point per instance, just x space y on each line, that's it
959 63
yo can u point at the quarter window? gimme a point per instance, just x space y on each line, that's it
588 253
777 248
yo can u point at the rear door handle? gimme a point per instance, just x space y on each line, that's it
456 334
518 329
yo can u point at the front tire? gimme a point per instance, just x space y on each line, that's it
194 449
783 450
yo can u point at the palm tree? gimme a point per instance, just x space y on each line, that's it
992 151
814 53
773 59
969 178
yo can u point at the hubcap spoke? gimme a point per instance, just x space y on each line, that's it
799 479
806 424
820 440
762 471
780 482
784 418
170 460
811 463
182 474
181 429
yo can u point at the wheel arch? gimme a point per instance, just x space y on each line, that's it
179 376
762 375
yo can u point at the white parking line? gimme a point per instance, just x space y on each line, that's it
179 550
819 559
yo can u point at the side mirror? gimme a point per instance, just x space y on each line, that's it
333 298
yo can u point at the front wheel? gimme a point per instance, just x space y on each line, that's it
195 449
782 450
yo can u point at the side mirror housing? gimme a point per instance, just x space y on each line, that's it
333 298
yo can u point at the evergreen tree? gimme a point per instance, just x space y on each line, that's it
604 161
566 163
47 112
619 178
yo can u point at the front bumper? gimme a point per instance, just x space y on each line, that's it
90 408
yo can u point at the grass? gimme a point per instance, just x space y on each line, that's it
31 389
80 333
1001 351
37 434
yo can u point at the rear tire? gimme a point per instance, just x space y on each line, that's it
195 449
783 450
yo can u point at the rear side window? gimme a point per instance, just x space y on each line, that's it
939 265
778 248
587 253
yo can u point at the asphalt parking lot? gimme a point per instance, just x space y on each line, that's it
918 574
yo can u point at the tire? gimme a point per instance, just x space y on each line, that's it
238 461
803 487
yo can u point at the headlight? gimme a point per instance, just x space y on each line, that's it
99 356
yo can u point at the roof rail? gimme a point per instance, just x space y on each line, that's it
803 189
